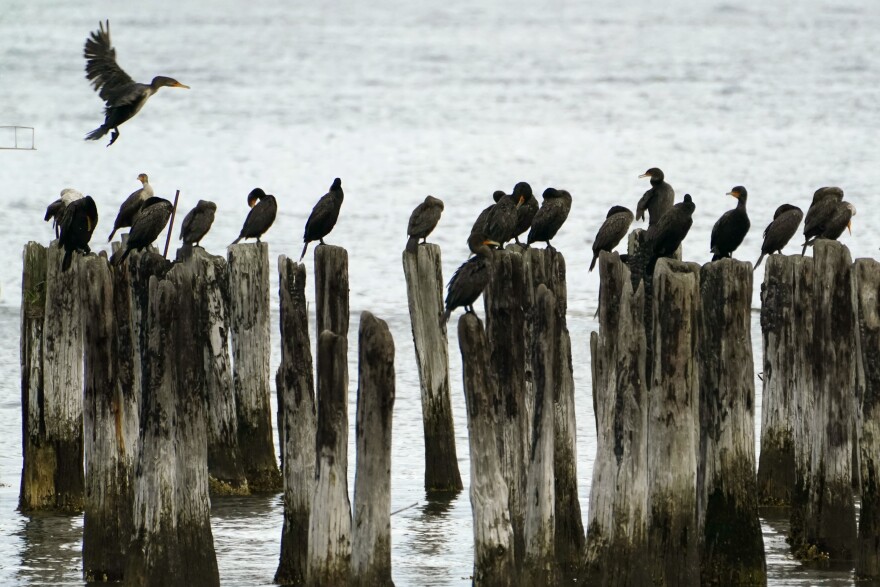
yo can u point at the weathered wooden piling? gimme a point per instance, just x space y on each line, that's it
331 290
249 319
371 524
867 283
672 439
731 542
296 405
329 549
424 288
494 562
172 543
617 540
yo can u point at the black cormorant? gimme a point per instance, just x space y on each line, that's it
662 238
614 228
835 223
323 217
55 210
480 222
777 234
730 230
148 223
263 209
822 208
77 224
550 217
123 97
422 221
528 207
471 278
656 200
197 222
502 219
132 204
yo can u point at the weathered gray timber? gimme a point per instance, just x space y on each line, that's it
424 289
731 542
547 266
172 543
539 524
249 319
505 300
224 457
617 540
867 283
371 526
296 422
331 290
494 562
672 440
329 554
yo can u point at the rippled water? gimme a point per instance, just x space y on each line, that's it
452 99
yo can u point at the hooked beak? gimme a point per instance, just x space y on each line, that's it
488 242
520 202
644 175
180 85
849 226
734 194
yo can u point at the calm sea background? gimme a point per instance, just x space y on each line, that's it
401 99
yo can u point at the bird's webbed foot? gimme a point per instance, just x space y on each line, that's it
113 136
320 240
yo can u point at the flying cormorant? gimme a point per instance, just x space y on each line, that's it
656 200
550 217
614 228
261 216
55 211
132 204
148 223
323 217
777 234
480 222
197 222
77 224
730 230
471 278
422 221
528 207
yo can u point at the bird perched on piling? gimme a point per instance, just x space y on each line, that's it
833 224
480 222
785 223
55 211
471 278
422 221
550 217
123 97
197 222
614 228
132 205
263 210
730 230
662 238
527 208
323 217
77 224
148 223
502 219
822 208
656 200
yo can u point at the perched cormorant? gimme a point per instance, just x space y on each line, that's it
822 208
614 228
730 230
502 219
56 209
835 223
656 200
777 234
550 217
77 223
148 223
663 238
132 204
471 278
528 207
123 97
480 222
323 217
422 221
261 216
197 222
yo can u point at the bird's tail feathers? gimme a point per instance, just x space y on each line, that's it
110 238
118 257
761 258
97 133
593 263
412 245
445 318
68 258
302 256
235 242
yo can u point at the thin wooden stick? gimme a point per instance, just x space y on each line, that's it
171 224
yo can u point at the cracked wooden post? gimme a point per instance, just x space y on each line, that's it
331 291
296 405
731 542
867 283
329 550
617 540
371 526
249 319
424 289
672 440
172 543
494 562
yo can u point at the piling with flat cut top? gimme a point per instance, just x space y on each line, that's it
731 542
172 543
424 289
249 319
296 421
617 540
329 550
672 439
494 562
371 526
867 283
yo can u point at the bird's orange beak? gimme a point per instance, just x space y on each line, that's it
520 202
643 175
849 226
734 194
180 85
252 202
488 242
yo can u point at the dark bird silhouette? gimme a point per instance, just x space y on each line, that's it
422 221
480 222
730 230
197 222
148 223
550 217
123 97
614 228
132 205
527 208
77 225
833 224
471 278
822 208
263 210
656 200
55 210
662 238
777 234
323 217
502 219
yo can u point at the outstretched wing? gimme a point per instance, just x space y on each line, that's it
108 79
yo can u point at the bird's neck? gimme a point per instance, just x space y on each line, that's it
741 204
656 182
